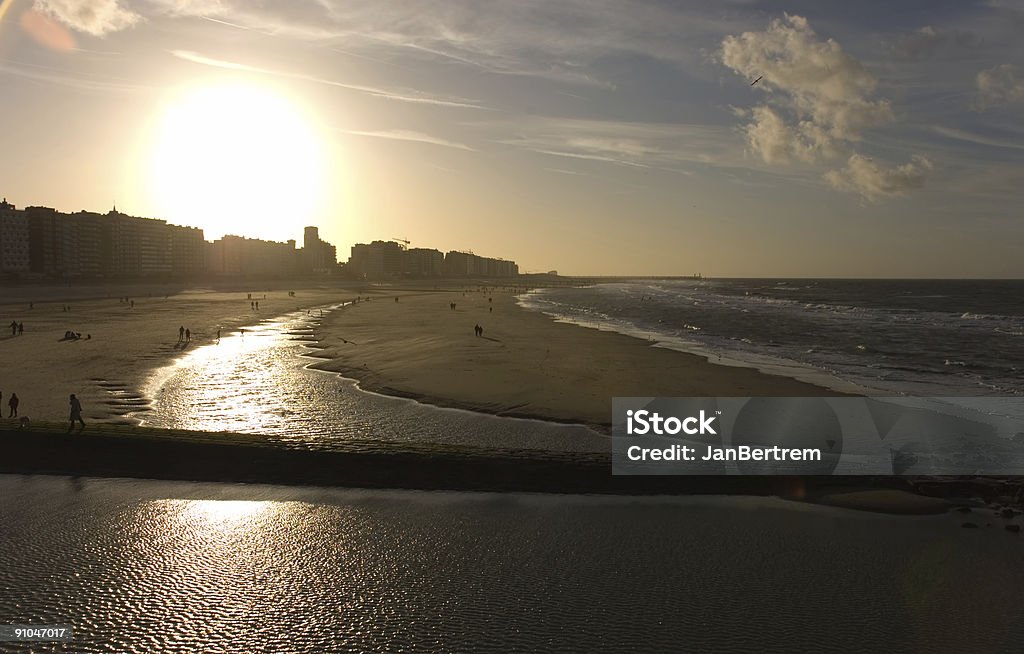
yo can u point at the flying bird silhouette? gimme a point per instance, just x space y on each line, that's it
756 80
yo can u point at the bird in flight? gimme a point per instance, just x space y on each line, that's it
756 80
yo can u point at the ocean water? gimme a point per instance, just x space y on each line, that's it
893 337
176 567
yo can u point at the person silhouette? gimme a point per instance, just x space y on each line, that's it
13 404
188 335
76 413
181 333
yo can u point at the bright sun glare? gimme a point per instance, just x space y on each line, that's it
237 160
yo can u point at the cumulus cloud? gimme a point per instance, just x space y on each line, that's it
873 182
95 17
999 85
821 94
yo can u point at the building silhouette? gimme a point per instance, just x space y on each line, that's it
41 242
390 260
319 256
14 253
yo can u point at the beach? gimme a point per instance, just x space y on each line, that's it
120 345
524 364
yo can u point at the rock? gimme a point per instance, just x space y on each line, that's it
1013 528
969 525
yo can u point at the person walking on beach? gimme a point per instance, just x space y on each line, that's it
14 328
13 404
76 413
218 336
21 328
188 335
181 333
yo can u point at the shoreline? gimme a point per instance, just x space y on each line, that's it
774 367
533 367
123 345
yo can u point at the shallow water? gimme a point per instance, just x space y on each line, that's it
915 337
259 382
169 567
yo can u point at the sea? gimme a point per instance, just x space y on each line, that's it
882 337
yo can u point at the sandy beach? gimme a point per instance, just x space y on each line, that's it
525 364
126 344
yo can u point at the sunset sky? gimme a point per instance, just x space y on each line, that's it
589 136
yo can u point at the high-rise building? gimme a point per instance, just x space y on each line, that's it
14 256
318 255
239 256
467 264
388 259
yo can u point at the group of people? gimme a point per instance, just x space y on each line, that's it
478 330
76 410
17 328
127 300
185 335
74 336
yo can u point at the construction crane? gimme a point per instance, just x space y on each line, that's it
404 241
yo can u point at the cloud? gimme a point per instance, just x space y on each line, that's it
95 17
637 145
406 96
999 85
961 135
819 104
873 182
822 95
406 135
567 41
929 41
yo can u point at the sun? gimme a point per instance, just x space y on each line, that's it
237 160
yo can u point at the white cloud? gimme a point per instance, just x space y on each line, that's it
95 17
822 95
400 96
638 145
999 85
873 182
407 135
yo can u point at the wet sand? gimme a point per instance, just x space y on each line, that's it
127 343
524 365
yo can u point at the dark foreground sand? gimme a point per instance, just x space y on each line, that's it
129 451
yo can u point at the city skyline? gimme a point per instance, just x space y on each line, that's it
6 203
749 138
38 242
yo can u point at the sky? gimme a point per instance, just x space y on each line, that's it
881 138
